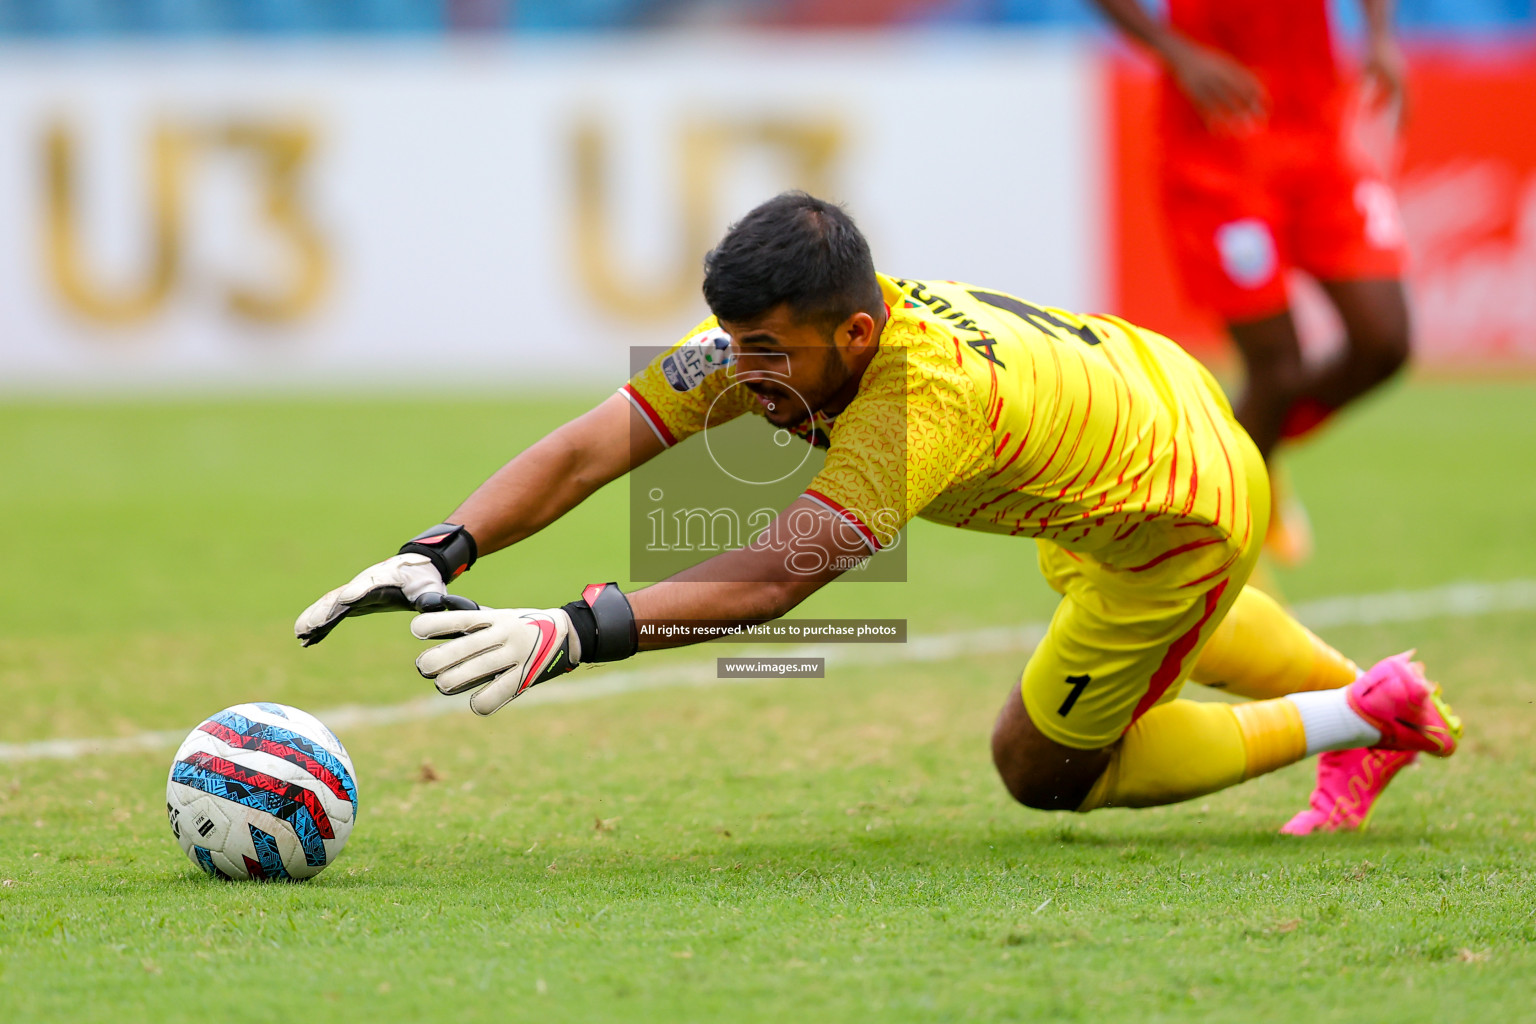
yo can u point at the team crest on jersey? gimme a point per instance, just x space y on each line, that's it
1247 250
697 358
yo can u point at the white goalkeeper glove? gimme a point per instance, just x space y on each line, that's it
505 651
415 578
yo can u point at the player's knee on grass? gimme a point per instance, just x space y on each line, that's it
1037 771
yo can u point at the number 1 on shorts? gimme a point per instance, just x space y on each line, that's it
1077 683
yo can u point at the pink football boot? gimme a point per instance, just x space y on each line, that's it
1406 708
1397 699
1348 783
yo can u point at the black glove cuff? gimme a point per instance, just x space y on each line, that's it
604 623
450 547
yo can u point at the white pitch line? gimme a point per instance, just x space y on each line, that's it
1456 600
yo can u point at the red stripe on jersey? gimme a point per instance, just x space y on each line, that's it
1173 661
1109 450
649 412
1015 455
1231 473
1068 485
846 514
1223 567
1182 549
1130 498
1060 438
997 516
1173 473
1136 481
1194 487
1082 428
1034 407
992 393
1130 406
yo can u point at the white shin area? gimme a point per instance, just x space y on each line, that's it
1330 722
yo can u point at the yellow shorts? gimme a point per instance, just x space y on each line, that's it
1111 653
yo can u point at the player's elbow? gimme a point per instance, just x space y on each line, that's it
779 598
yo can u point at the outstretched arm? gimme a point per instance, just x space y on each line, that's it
556 474
527 494
806 547
500 653
1228 96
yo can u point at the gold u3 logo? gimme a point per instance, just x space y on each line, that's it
703 151
279 151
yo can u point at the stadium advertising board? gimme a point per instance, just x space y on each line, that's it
516 213
491 217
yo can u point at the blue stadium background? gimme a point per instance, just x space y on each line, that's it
201 18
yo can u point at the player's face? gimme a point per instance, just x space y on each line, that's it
794 367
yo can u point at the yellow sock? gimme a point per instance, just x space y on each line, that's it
1273 735
1187 748
1260 651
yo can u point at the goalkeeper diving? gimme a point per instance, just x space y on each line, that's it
1106 444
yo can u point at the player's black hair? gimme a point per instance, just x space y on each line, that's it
793 249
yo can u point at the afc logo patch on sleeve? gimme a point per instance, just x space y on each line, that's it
697 358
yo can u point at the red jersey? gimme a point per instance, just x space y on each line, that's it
1246 207
1288 44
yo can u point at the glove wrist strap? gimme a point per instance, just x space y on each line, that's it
449 546
604 623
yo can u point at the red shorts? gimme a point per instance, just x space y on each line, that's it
1243 213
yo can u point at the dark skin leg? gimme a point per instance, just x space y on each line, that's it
1271 353
1375 315
1040 772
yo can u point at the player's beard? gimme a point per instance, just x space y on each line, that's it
793 407
787 408
831 380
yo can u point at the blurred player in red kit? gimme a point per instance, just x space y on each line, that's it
1261 172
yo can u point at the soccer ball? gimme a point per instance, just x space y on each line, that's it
261 791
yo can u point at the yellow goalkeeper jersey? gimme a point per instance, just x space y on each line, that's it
986 412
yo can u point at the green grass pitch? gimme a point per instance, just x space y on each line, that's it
834 849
